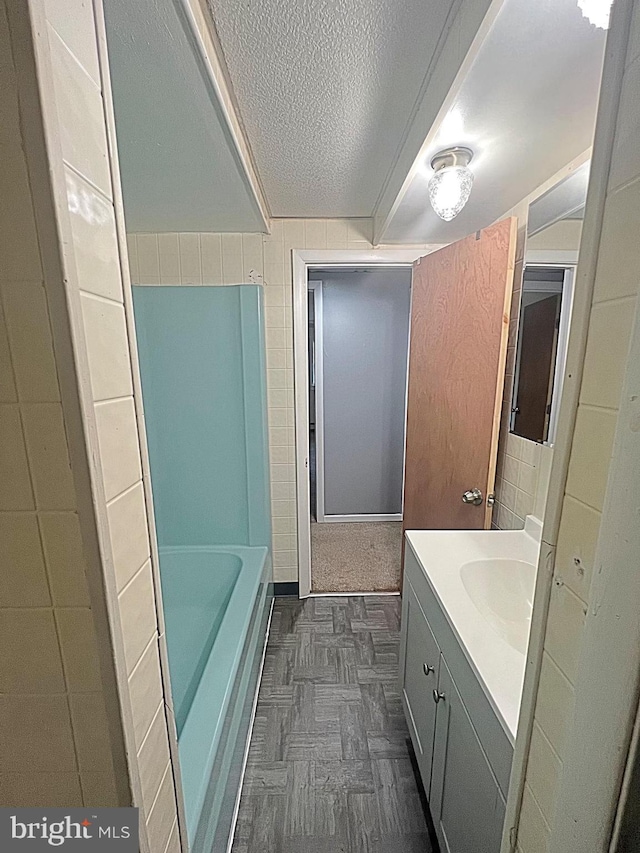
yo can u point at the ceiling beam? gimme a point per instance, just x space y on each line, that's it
460 45
200 30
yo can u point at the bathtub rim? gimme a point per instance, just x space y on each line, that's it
218 676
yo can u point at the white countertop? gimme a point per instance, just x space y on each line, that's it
441 553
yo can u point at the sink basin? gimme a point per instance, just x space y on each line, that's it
502 590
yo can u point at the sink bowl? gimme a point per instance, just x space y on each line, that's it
502 590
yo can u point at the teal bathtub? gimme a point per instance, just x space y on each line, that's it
202 365
211 637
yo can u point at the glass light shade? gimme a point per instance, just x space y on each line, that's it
449 190
597 12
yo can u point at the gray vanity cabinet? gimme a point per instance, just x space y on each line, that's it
463 754
420 678
466 804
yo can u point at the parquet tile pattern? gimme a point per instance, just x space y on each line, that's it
329 768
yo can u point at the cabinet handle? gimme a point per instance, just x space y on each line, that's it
437 696
427 668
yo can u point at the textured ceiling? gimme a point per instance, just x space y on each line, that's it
179 172
325 90
526 108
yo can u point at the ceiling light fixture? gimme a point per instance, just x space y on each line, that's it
450 186
597 12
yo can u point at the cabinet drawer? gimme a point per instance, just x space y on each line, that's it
419 675
491 734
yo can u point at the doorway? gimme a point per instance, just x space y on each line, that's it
450 403
358 324
304 262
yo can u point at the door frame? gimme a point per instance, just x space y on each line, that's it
302 260
316 287
322 517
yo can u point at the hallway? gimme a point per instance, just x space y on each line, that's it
329 769
352 556
356 556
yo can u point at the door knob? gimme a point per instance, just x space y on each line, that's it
427 668
437 696
473 496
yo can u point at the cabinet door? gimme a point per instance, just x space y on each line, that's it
419 679
465 800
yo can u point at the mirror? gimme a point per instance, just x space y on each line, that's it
536 377
553 241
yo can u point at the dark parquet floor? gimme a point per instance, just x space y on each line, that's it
329 767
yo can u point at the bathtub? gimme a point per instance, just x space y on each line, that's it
216 602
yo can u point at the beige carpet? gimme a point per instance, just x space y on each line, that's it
356 556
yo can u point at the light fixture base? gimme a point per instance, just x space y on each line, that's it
455 156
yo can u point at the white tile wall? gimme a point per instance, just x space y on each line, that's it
107 347
82 129
522 481
79 646
25 584
93 228
161 816
49 615
46 441
90 731
145 686
545 769
615 294
154 756
137 611
47 627
555 703
244 258
564 628
64 558
591 453
533 831
128 532
119 449
615 280
14 468
609 335
106 333
61 789
29 334
579 528
625 163
31 661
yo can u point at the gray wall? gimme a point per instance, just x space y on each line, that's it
365 349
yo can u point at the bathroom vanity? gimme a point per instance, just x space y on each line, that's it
466 611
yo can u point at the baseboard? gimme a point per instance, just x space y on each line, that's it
341 519
286 588
355 594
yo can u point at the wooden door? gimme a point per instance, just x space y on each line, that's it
460 305
539 333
